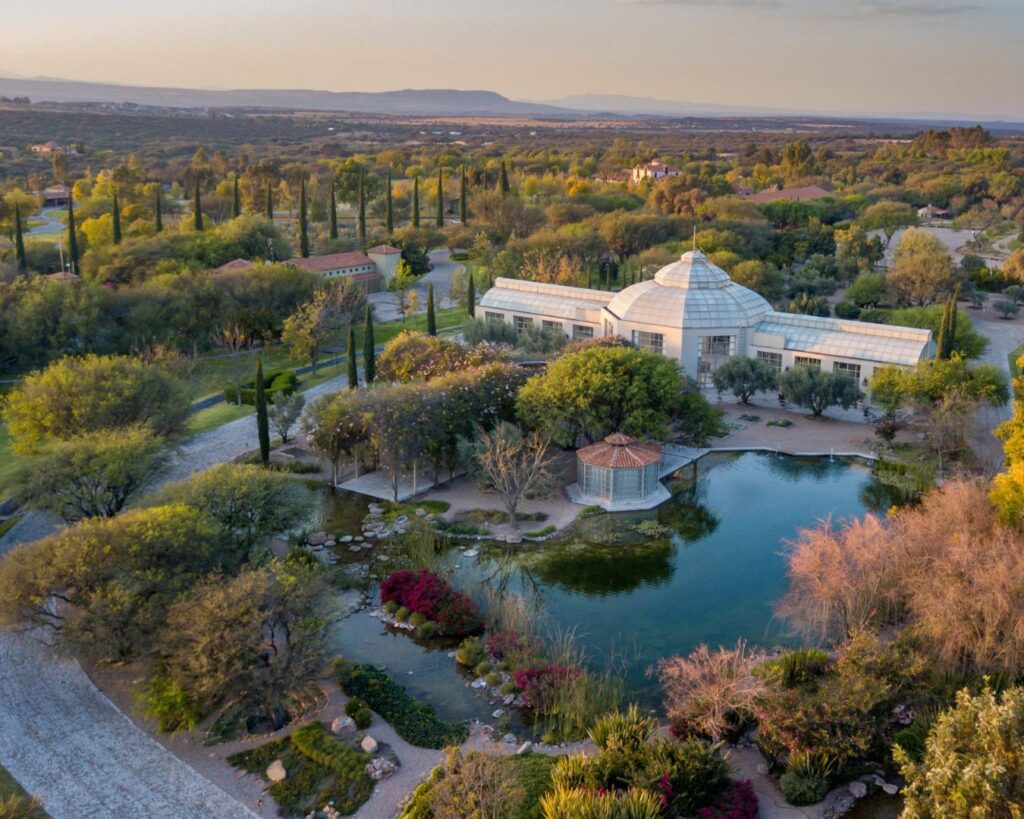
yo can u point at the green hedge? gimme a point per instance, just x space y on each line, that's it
414 721
280 382
313 741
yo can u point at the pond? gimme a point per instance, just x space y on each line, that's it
710 572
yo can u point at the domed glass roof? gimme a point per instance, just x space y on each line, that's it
692 293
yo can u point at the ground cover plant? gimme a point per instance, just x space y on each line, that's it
423 592
321 770
415 722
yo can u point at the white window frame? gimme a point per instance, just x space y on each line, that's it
775 359
646 340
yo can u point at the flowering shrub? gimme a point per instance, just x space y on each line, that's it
427 594
540 683
737 802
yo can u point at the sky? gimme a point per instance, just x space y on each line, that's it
850 56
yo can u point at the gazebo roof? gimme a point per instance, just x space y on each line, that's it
619 451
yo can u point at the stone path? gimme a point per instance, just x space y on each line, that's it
67 744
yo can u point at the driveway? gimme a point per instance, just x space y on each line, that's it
385 303
1004 337
52 222
63 740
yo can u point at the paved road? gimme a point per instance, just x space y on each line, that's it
63 740
385 304
1004 337
52 222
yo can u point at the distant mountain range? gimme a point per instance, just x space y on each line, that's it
625 104
409 102
423 102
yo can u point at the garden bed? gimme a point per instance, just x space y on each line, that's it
414 721
319 771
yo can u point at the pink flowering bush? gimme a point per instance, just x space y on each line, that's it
424 592
540 683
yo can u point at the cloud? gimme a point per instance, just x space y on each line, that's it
708 3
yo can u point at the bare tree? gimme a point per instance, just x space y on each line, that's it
512 464
236 345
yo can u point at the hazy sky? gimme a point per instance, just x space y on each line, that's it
893 56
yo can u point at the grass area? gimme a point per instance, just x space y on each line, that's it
10 789
217 416
213 373
7 525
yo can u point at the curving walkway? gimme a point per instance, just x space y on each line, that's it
68 744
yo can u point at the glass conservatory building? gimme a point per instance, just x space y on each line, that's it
693 312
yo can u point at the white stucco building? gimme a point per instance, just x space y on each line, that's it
694 313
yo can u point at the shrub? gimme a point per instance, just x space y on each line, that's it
414 721
362 718
589 511
972 760
424 592
550 529
738 801
794 668
847 310
628 729
391 606
353 705
402 614
426 630
539 684
470 652
482 669
313 741
806 780
417 619
493 679
577 802
166 701
710 693
275 383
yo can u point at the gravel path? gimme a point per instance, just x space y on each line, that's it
67 744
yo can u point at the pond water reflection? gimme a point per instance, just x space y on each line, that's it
710 572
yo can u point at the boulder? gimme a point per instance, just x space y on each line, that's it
380 768
479 682
858 790
509 739
343 725
525 748
498 713
355 548
276 771
471 553
331 544
369 744
346 538
421 512
891 789
317 539
515 537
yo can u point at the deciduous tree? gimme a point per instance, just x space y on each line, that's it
745 376
817 390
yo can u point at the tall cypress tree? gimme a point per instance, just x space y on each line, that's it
117 221
262 422
389 215
471 296
439 219
416 202
19 239
463 203
362 211
350 354
334 213
236 200
503 185
270 202
197 210
72 235
158 213
303 226
369 354
431 318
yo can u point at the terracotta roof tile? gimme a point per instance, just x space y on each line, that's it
619 451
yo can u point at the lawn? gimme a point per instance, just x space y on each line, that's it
213 373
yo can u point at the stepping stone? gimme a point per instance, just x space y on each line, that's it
369 744
276 771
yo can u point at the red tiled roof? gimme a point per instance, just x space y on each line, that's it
795 194
384 249
333 261
619 451
234 264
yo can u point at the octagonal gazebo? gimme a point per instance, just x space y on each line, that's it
619 473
